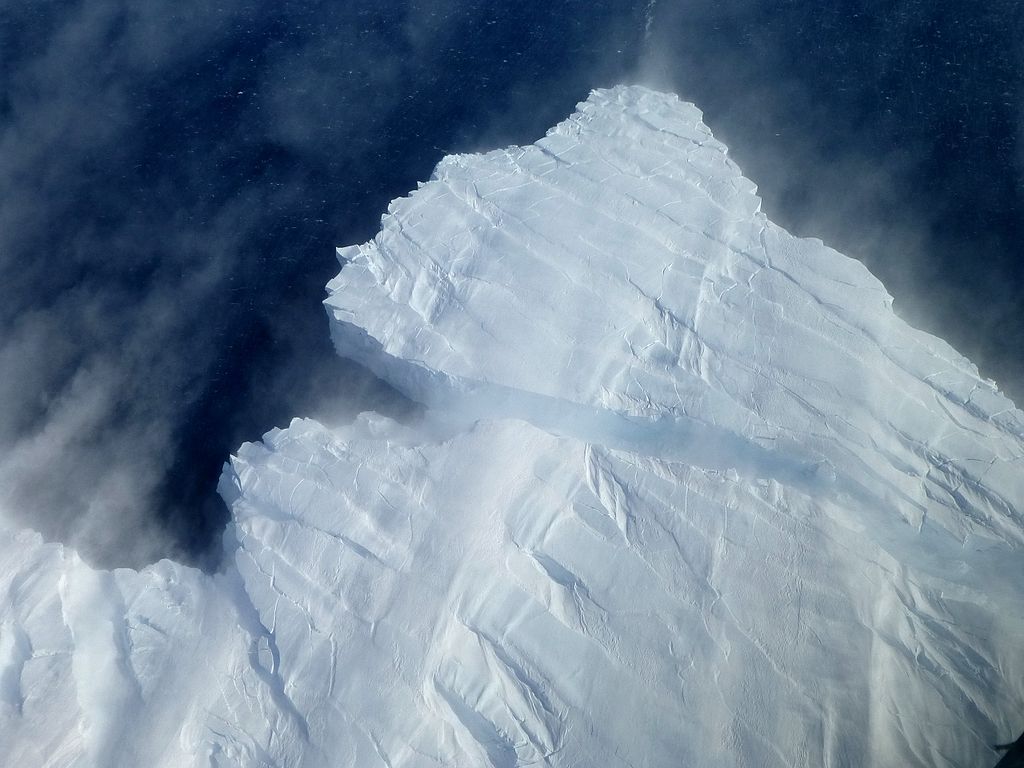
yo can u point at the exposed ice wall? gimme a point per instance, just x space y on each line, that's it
688 494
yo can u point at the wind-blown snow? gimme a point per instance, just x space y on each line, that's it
687 493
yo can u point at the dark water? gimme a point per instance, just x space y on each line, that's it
174 177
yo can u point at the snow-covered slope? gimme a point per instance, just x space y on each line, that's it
687 493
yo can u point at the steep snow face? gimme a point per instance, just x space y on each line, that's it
508 597
618 275
687 493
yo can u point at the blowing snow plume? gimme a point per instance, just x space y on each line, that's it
174 178
891 129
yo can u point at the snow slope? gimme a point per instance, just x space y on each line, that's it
688 493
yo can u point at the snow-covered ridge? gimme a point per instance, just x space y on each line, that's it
622 265
687 493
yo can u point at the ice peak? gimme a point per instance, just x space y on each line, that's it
688 492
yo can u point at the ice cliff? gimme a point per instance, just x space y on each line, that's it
686 493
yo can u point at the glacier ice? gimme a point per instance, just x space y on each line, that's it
687 492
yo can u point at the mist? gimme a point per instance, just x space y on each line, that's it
174 178
890 129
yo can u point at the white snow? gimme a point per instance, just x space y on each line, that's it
687 493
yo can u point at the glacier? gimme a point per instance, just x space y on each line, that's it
685 492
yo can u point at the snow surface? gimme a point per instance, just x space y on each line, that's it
688 493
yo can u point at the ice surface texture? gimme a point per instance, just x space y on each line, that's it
688 494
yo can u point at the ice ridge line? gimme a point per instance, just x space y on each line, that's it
672 437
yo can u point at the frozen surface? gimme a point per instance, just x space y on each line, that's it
687 493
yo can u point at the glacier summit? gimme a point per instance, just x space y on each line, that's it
686 492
